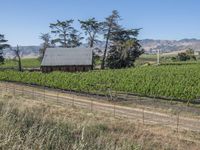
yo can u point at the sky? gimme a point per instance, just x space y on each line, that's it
22 21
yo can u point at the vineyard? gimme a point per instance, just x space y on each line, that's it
170 81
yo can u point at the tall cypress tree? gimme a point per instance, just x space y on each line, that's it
110 26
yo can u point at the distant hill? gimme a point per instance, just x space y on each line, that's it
165 46
28 52
150 46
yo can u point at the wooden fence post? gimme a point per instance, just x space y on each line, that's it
143 115
22 90
14 90
71 94
91 107
1 89
6 87
114 108
33 93
57 97
154 100
44 94
178 122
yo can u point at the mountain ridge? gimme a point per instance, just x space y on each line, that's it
150 46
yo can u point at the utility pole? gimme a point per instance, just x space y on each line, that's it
158 57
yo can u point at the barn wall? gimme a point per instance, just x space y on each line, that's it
66 68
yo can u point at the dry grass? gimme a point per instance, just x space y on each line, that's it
27 124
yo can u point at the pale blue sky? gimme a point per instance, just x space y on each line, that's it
22 21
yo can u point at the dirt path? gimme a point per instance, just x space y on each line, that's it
95 104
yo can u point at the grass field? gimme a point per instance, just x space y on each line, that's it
170 81
26 63
29 124
143 59
165 58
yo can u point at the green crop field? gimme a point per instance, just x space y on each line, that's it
26 63
171 81
164 59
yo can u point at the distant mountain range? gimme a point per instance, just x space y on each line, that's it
27 52
166 46
150 46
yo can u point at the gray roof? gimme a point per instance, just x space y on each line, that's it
67 56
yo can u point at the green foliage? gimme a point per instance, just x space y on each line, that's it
67 36
123 45
3 45
1 59
74 39
176 63
183 56
190 51
124 50
188 55
172 81
91 28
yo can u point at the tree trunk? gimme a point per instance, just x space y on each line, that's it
65 40
19 64
91 46
105 51
91 43
92 38
93 61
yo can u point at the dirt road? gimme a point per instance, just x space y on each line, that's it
95 104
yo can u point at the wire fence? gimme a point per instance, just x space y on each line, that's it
95 104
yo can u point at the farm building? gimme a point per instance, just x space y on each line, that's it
67 59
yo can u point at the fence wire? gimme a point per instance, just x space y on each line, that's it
94 104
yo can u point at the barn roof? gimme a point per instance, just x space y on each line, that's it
67 56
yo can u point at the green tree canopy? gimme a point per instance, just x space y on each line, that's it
65 33
91 28
74 39
3 45
124 49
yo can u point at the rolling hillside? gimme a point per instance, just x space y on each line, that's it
150 46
